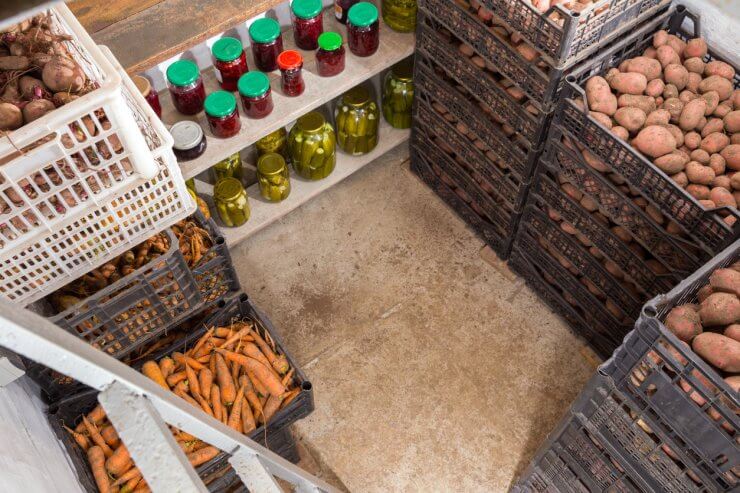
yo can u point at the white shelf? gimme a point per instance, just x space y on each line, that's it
394 47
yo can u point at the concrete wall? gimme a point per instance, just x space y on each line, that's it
720 23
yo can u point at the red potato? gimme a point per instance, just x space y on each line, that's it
11 117
716 83
667 55
734 382
692 113
704 293
718 350
630 118
670 91
713 125
672 163
655 141
677 75
648 67
36 109
62 74
699 155
694 64
655 88
645 103
699 192
699 174
720 69
674 106
731 121
684 322
657 117
731 154
602 118
717 163
719 309
722 197
600 97
720 181
693 83
726 281
620 132
733 332
696 47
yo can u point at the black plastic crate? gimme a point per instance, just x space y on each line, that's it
706 227
652 363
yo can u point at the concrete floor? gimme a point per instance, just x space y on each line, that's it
433 370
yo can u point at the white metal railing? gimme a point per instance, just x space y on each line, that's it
140 410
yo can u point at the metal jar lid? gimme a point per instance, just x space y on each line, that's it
186 134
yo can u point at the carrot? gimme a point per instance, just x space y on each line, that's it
235 372
236 337
236 411
130 485
225 382
205 380
142 487
271 407
204 359
92 430
176 378
184 436
201 342
203 404
289 396
96 416
216 402
79 438
96 457
202 456
151 369
110 436
264 374
183 360
248 423
127 476
254 352
224 332
212 364
166 366
119 462
181 392
251 396
280 363
192 380
288 377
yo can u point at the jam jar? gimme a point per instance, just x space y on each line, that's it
267 43
231 167
276 142
330 57
254 89
222 114
291 69
307 23
363 29
341 8
356 117
189 140
400 15
151 96
273 177
312 145
231 202
186 87
398 95
231 62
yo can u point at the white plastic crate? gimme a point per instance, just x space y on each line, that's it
104 231
54 169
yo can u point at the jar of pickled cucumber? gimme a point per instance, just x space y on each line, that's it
273 177
231 167
312 145
398 95
276 142
400 15
231 202
356 118
202 206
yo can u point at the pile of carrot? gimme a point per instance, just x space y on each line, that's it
233 373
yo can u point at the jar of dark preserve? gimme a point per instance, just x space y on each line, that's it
222 114
341 8
151 96
308 23
267 43
186 87
291 69
231 62
189 140
254 88
363 29
330 57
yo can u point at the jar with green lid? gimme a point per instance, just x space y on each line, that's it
398 95
231 167
400 15
356 118
273 177
276 142
231 202
312 145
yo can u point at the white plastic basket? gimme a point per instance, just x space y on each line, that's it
54 169
104 231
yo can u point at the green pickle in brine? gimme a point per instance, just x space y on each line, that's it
273 177
400 15
276 142
398 95
312 145
231 202
231 167
356 118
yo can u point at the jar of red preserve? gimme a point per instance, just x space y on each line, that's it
222 114
363 29
291 68
186 87
307 23
341 8
267 43
151 96
330 57
231 62
254 88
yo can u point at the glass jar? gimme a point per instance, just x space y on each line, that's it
356 117
254 89
231 202
267 43
398 95
312 145
145 88
222 114
400 15
202 206
190 184
291 69
189 140
308 23
341 8
186 87
273 177
276 142
363 29
231 167
330 57
231 62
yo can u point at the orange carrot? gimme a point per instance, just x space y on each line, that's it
110 436
248 423
95 416
212 364
280 363
96 457
204 359
251 350
203 404
176 378
289 396
271 407
251 396
184 436
201 342
216 402
225 382
236 410
182 393
192 380
130 485
142 487
205 380
132 473
79 438
151 369
202 456
223 332
236 337
119 462
183 360
92 430
263 373
167 366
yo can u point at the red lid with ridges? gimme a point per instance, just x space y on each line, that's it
289 59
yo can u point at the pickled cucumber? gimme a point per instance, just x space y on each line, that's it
400 15
312 145
398 96
356 118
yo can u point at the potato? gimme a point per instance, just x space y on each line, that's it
656 266
692 140
735 181
14 62
730 220
655 141
699 155
713 125
622 233
708 204
701 124
589 204
620 132
696 47
645 103
676 43
602 118
63 74
693 82
629 83
667 55
672 163
36 109
657 117
735 139
694 64
660 38
722 109
699 174
722 197
718 350
681 179
674 106
648 67
704 293
715 142
720 309
677 75
733 382
699 192
684 322
716 83
720 69
655 214
11 117
600 97
595 162
721 181
732 331
717 163
655 88
630 118
725 281
731 153
670 91
692 113
572 191
732 121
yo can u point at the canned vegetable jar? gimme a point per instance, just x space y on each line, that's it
254 89
398 95
356 117
231 202
231 167
312 145
400 15
276 141
330 57
273 177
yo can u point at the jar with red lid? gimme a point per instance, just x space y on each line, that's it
254 89
189 140
231 62
151 96
291 69
341 8
363 29
222 114
308 23
267 43
330 57
186 87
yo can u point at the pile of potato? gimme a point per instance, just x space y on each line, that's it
680 112
543 6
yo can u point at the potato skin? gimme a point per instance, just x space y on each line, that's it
629 83
649 67
716 83
684 322
719 309
718 350
715 142
732 121
655 141
677 75
733 332
731 153
726 281
630 118
692 113
672 163
600 97
720 69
